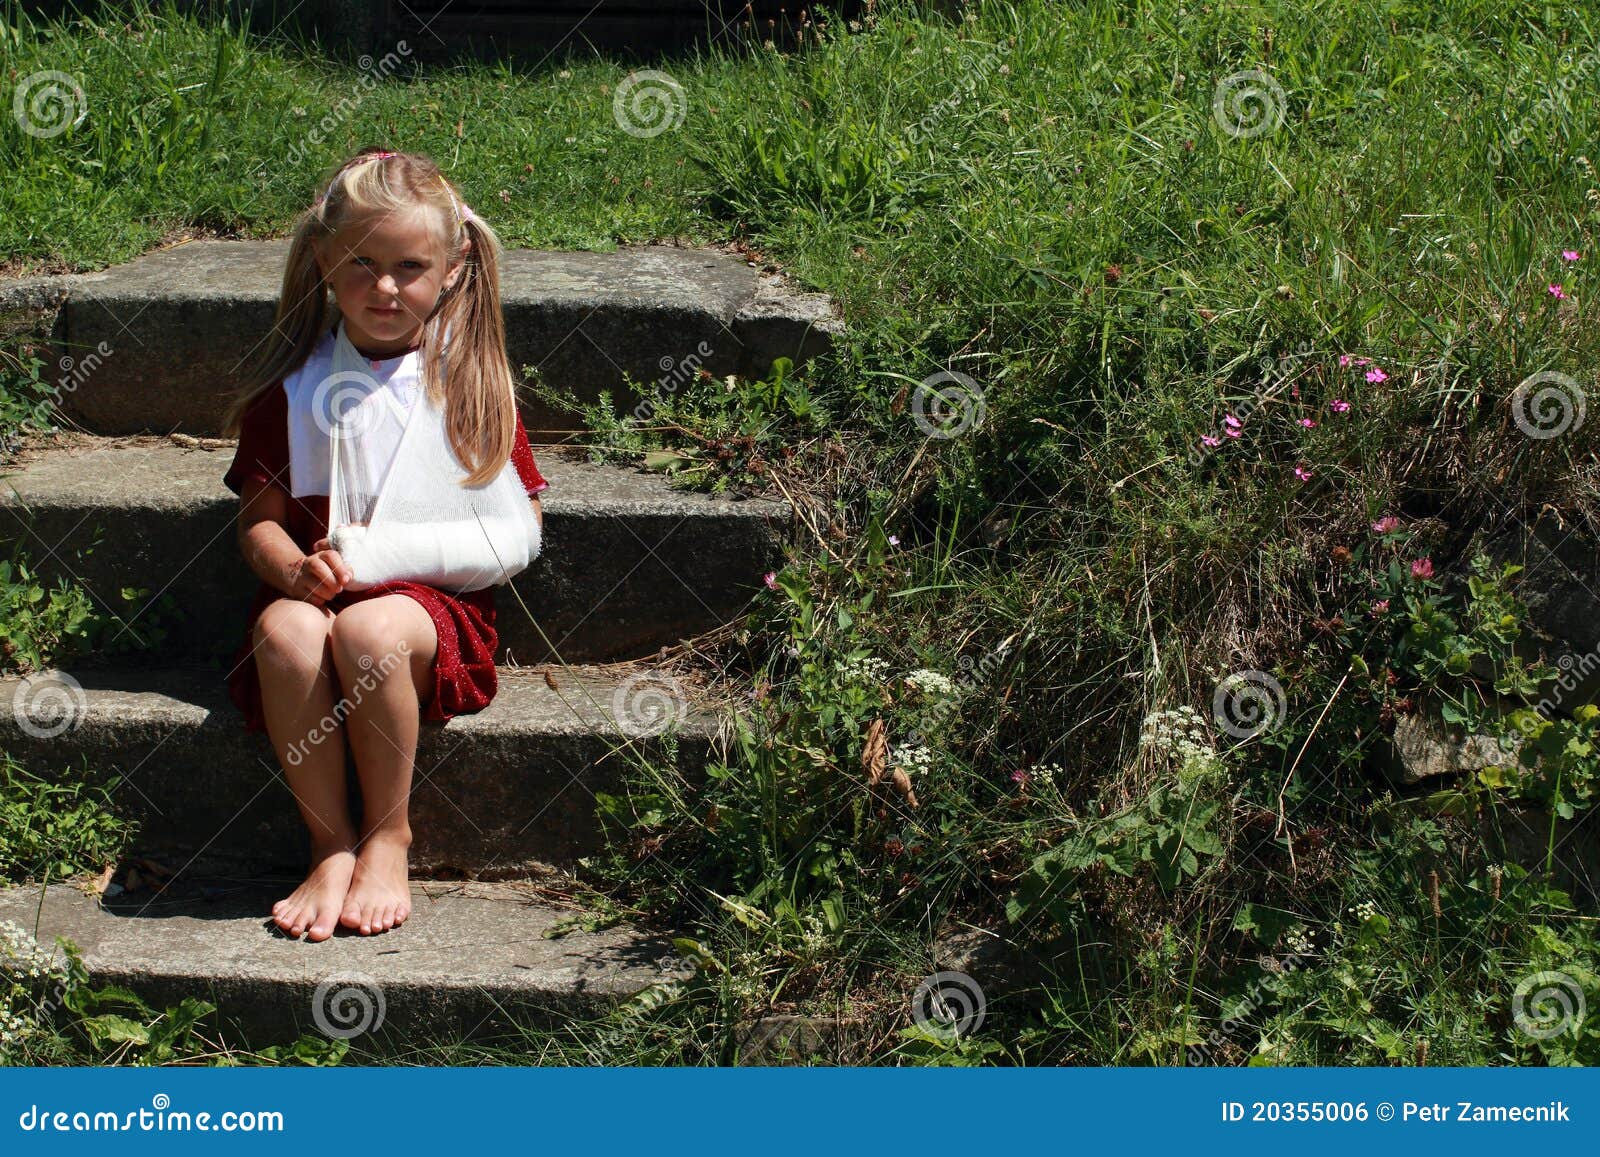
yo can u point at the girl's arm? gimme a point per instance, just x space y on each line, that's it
272 554
538 509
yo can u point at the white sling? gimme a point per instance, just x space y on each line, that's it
417 523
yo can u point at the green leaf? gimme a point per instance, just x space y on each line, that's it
112 1028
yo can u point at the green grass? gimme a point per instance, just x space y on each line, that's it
1080 235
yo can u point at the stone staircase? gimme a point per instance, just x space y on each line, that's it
504 800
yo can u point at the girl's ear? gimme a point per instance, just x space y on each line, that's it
454 275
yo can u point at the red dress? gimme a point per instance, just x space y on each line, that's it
463 675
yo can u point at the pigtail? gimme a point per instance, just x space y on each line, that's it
480 414
300 320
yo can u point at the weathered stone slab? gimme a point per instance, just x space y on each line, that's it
473 959
158 344
497 793
629 564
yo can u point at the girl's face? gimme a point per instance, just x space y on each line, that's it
387 275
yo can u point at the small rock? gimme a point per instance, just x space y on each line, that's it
1426 747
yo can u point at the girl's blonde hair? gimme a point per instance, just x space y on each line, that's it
480 405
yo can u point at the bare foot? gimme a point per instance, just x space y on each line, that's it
314 906
379 897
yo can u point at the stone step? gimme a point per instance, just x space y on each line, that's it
472 960
507 791
157 344
629 564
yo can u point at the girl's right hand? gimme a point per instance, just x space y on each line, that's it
320 575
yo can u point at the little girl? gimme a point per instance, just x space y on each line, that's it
409 265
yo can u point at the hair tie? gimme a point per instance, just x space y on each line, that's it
462 210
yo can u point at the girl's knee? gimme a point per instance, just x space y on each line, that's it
365 634
291 631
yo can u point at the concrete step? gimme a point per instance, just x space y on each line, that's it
157 344
629 564
472 959
505 792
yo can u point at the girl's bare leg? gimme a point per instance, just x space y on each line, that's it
299 690
384 650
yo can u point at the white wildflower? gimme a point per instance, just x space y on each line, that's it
864 669
931 683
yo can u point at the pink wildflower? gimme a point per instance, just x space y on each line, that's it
1422 568
771 579
1339 406
1388 524
1376 374
1344 360
1570 255
1308 423
1020 777
1302 473
894 540
1211 440
1557 292
1230 431
1230 420
1380 607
